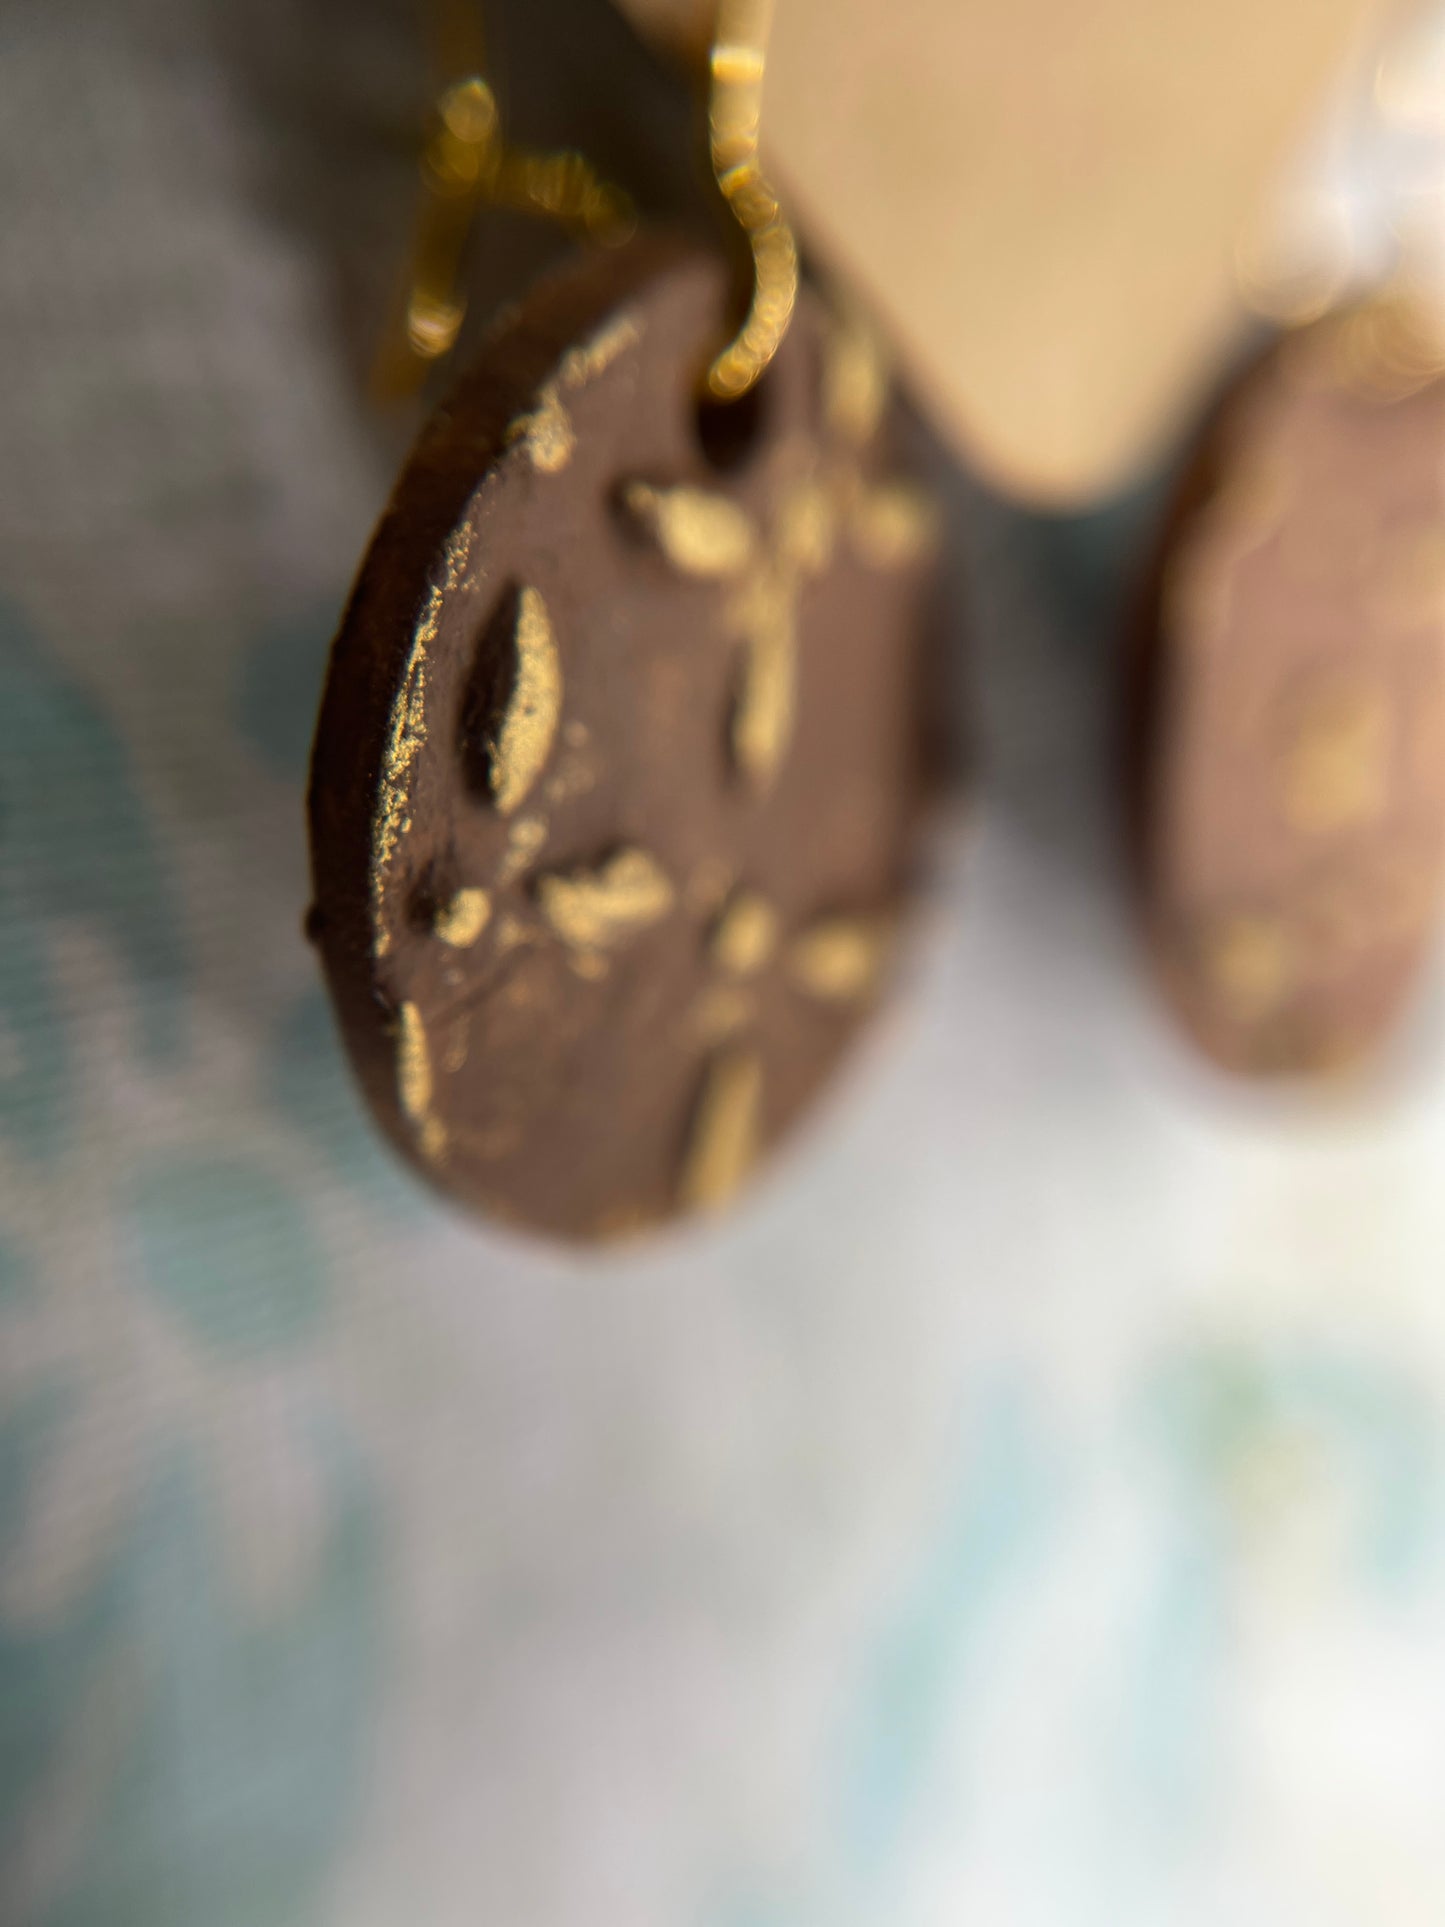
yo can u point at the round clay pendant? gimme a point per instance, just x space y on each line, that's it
1290 815
621 756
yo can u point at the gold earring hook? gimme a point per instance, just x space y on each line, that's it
737 67
467 165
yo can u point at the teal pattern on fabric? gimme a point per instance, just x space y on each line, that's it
996 1515
44 1675
242 1741
229 1248
307 1083
78 851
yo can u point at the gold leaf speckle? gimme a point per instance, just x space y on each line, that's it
464 919
524 740
1249 963
547 433
855 379
700 533
528 835
746 934
585 363
405 737
762 727
722 1143
591 909
894 525
840 958
1337 767
414 1081
807 526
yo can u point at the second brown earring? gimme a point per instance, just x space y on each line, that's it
1289 724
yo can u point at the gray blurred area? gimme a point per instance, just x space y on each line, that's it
1026 1507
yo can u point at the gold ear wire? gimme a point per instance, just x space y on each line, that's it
737 67
466 166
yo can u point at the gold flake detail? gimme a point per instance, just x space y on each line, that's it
546 433
855 379
464 919
524 740
1249 962
746 934
1337 768
894 525
765 613
575 778
458 1044
512 934
591 909
590 965
700 533
808 526
840 958
405 736
585 363
414 1081
723 1140
528 835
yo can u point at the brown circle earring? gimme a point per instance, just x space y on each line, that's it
621 759
1289 808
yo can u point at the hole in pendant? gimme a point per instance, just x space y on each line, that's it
490 685
728 432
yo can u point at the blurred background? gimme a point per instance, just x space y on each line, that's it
1029 1505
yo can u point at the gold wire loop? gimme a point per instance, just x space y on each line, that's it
466 166
737 68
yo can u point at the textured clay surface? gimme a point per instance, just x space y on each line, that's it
621 758
1290 809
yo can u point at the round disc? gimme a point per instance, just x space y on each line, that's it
621 756
1291 814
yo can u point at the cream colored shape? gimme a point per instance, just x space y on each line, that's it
524 740
1040 199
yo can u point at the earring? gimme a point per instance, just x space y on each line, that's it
1289 801
621 760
